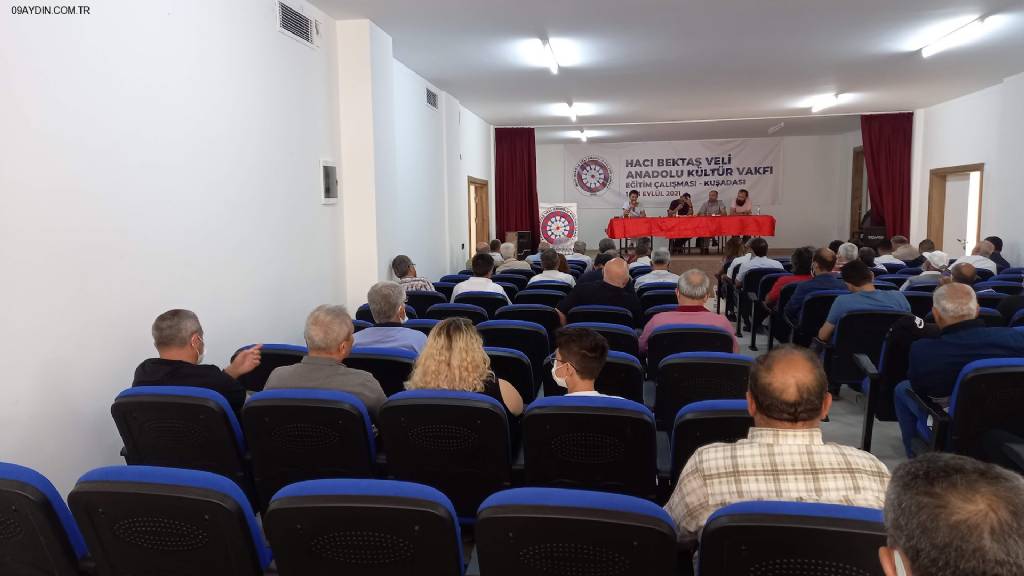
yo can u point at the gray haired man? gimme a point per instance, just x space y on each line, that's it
387 304
660 260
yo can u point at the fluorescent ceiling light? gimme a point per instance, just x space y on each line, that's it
583 135
572 112
963 35
823 101
549 54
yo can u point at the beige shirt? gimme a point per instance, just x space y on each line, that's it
320 373
513 265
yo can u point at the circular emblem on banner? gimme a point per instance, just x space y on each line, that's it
556 224
592 175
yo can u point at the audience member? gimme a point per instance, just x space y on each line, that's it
758 260
801 262
935 263
964 273
580 354
549 261
997 255
923 246
643 253
605 245
885 253
563 265
735 252
579 254
846 253
541 248
692 293
935 363
980 257
834 245
948 515
822 263
178 338
783 457
482 266
660 261
611 291
902 249
387 305
863 297
454 359
509 261
481 248
867 255
329 340
405 274
597 274
495 251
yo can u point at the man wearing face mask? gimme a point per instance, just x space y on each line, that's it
178 338
387 304
579 357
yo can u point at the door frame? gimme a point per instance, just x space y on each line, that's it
937 199
856 191
474 186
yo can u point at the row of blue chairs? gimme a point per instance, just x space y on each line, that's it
149 520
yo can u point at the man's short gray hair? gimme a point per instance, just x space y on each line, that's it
385 298
174 328
848 251
956 302
327 327
605 245
579 247
694 284
401 266
508 251
661 256
986 248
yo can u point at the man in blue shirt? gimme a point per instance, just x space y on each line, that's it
935 363
860 281
387 304
823 279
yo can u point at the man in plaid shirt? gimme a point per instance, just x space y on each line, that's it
783 456
405 274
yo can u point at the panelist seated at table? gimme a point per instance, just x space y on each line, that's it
741 206
632 208
681 206
714 206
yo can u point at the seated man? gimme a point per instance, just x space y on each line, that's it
964 273
509 261
864 297
597 274
607 244
868 256
692 293
541 248
997 254
580 354
935 363
481 248
758 260
885 253
801 261
935 263
405 274
659 273
495 250
783 457
178 338
902 250
643 253
579 254
947 514
387 304
980 257
847 252
611 291
822 263
329 340
482 266
549 261
923 246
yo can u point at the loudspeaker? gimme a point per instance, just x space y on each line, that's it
522 240
872 235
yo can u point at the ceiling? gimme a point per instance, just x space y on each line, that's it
645 62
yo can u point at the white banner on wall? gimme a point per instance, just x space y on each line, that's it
559 226
601 175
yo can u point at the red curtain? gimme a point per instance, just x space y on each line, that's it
515 182
887 140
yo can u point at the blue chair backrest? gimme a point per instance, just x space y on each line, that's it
422 300
768 282
640 290
424 325
526 273
515 368
992 317
538 313
518 280
893 267
272 356
457 442
456 278
474 313
674 338
991 299
181 427
599 313
619 337
446 288
358 325
555 285
511 291
859 332
298 434
690 377
813 314
137 519
561 531
389 366
489 301
909 271
806 538
638 271
897 279
655 310
386 527
1011 288
1004 277
592 442
363 313
988 395
527 337
465 272
1018 318
652 298
1014 270
37 533
537 296
705 422
984 274
622 375
883 285
920 302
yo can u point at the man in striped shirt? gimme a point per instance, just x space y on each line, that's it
783 456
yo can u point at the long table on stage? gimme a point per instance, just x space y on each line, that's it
691 226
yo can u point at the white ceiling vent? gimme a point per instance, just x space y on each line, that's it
431 98
293 22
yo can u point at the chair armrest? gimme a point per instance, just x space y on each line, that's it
940 419
866 366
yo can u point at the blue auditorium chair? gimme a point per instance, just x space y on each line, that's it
445 288
761 537
893 267
554 285
298 434
675 338
748 294
363 527
515 368
424 325
1009 288
358 325
149 520
990 316
181 427
619 337
456 278
1018 319
706 422
518 280
652 298
457 442
910 271
600 313
813 315
38 536
655 310
638 271
474 314
561 531
989 300
857 332
520 272
363 313
590 442
897 279
422 300
883 285
549 298
622 376
527 337
543 315
511 291
778 328
271 356
489 301
920 302
1004 277
984 274
687 377
390 366
641 290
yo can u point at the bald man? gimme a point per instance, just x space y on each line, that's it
979 257
783 457
611 291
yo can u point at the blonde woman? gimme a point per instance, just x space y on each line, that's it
454 359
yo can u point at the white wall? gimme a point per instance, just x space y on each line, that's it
469 151
815 200
155 155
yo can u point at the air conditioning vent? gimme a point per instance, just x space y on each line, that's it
431 98
293 22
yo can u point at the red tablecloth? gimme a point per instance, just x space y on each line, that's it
691 226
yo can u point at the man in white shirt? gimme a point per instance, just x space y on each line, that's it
495 248
509 261
579 254
931 271
885 253
643 253
660 261
549 261
482 265
759 249
979 257
579 357
541 247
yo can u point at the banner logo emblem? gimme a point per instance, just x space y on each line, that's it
557 223
592 175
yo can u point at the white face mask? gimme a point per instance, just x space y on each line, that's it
201 353
901 570
560 381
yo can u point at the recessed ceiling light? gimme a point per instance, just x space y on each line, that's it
572 112
549 54
583 135
963 35
823 101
